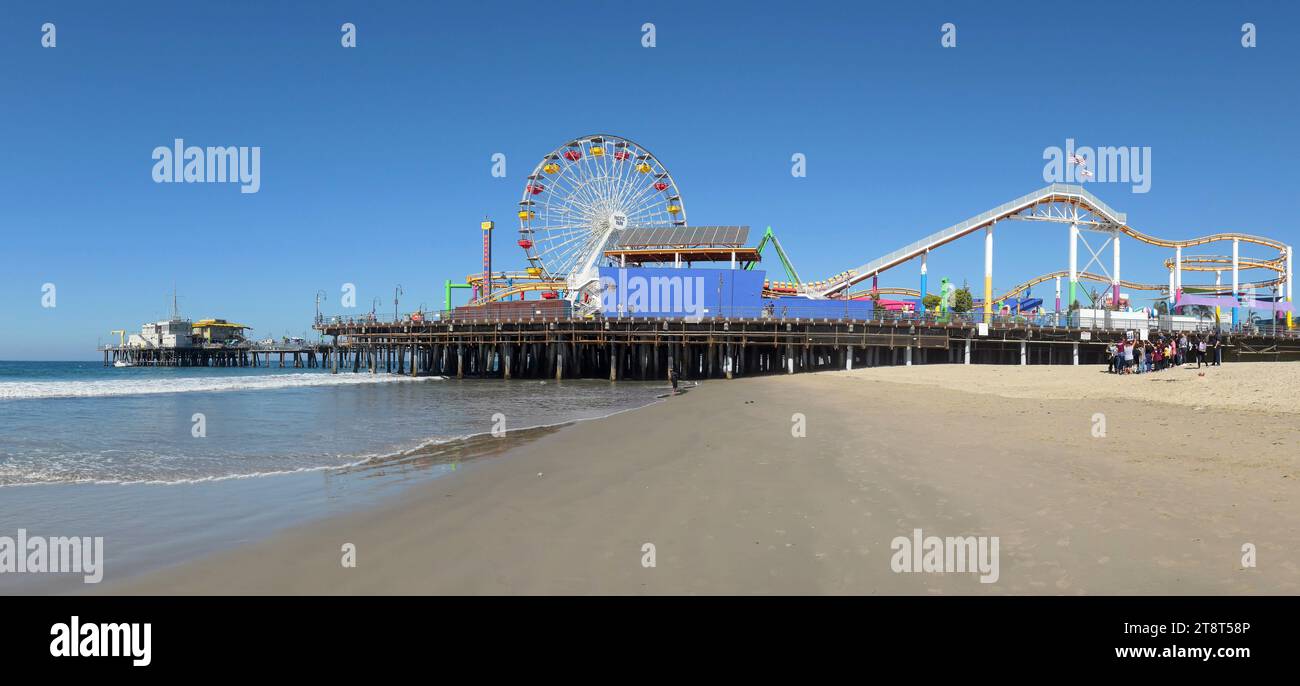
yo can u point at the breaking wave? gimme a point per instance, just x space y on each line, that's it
16 390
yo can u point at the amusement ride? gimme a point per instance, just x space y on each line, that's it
584 195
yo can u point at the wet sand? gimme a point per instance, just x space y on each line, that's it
1190 468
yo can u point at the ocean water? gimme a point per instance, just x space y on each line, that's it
170 463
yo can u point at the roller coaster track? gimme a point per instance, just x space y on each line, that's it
1021 288
499 294
1207 263
1131 285
1063 274
1099 215
1211 238
886 290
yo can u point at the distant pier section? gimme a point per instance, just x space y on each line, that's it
180 342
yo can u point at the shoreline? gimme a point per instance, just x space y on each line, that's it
734 504
153 524
368 484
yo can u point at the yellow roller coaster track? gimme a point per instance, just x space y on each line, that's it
1083 276
500 278
1131 285
1211 238
499 294
1206 263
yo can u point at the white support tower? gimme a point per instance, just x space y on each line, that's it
988 273
1114 277
1074 264
1236 268
1290 283
1178 276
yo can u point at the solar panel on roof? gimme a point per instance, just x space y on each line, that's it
658 236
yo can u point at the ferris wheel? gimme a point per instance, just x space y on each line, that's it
584 193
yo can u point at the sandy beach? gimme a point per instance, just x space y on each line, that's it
1186 469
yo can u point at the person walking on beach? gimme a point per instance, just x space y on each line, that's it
1218 352
672 378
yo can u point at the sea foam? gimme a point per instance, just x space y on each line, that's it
17 390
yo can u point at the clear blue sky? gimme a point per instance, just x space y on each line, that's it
376 160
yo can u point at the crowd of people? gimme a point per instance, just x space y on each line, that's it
1128 355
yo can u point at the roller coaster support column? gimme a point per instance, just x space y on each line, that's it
1236 283
1058 299
1178 277
1074 264
1218 281
920 303
988 273
1114 279
1290 281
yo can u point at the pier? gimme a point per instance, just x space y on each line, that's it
304 356
509 347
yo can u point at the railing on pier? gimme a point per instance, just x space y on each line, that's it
820 312
315 346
